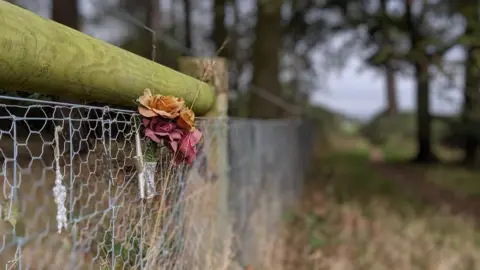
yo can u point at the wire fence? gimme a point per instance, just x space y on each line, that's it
182 225
193 217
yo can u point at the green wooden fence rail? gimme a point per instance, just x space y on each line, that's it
42 56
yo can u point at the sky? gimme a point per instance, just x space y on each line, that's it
362 95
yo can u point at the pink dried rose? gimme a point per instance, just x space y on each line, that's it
158 128
187 151
181 142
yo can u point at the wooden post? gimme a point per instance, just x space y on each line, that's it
215 72
41 56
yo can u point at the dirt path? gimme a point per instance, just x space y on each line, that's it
413 177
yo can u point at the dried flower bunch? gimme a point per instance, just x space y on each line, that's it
167 119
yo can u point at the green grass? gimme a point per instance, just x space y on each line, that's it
463 182
398 150
460 180
349 176
353 217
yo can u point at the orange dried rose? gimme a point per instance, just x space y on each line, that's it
186 120
165 106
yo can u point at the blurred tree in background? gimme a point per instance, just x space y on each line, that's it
66 13
266 57
471 107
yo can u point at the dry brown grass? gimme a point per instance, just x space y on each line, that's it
330 235
355 217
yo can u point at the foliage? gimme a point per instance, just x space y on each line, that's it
401 127
456 133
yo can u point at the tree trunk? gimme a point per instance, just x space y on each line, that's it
152 21
232 52
235 47
219 27
66 13
266 58
391 87
424 131
470 93
187 10
151 9
152 18
468 114
392 107
422 76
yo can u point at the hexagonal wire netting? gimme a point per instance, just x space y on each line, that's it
108 226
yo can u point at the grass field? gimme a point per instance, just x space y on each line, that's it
362 215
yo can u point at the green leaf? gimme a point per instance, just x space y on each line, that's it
9 213
151 152
288 216
317 242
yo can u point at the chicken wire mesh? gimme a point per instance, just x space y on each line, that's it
108 226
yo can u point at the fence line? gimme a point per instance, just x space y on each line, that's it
109 226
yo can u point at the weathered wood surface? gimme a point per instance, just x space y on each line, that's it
215 72
42 56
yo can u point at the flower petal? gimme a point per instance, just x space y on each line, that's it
187 148
159 124
166 106
195 137
164 113
145 98
191 157
177 133
163 128
144 111
145 122
154 121
186 119
150 134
